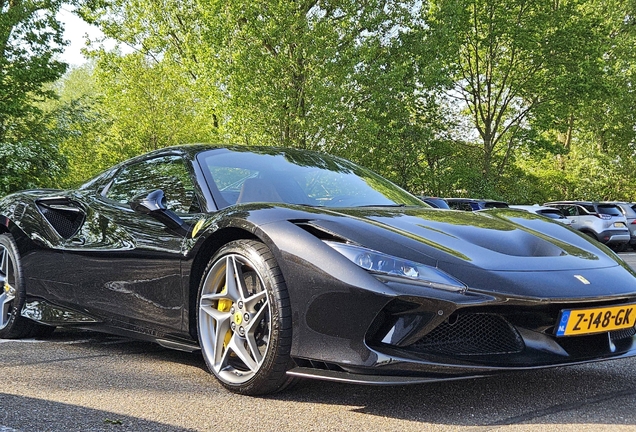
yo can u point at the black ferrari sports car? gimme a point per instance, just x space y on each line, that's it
279 264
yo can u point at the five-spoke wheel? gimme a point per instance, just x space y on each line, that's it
244 319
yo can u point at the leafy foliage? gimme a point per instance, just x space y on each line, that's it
522 100
29 154
30 37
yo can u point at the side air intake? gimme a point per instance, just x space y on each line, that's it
64 216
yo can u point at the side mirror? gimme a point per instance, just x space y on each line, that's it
148 203
153 204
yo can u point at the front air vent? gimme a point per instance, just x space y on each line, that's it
64 216
471 334
316 364
317 231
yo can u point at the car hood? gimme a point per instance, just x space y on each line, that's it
496 240
502 251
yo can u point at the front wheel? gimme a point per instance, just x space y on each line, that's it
244 319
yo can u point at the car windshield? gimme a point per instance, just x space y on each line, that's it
609 210
237 176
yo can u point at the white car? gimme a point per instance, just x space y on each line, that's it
551 212
602 221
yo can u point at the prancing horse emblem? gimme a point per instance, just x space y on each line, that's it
582 279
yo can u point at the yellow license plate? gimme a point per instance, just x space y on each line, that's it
587 321
619 225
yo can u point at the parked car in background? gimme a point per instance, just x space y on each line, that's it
435 202
629 211
472 204
603 221
550 212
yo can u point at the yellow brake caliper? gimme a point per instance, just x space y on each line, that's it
224 305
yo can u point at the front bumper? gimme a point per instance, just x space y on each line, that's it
416 334
407 345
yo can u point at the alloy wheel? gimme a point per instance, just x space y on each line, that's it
234 319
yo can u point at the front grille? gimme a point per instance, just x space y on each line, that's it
472 334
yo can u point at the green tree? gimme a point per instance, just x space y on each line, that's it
505 63
503 99
330 75
152 104
82 120
289 70
150 89
591 123
30 38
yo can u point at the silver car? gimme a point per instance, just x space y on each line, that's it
629 211
604 222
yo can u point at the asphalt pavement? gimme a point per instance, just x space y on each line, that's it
84 381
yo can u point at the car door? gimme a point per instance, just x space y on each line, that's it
588 218
572 213
128 264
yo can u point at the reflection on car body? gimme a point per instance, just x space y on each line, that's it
549 212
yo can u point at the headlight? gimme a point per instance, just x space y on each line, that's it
383 264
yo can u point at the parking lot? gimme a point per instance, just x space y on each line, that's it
82 381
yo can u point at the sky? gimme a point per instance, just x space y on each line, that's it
75 30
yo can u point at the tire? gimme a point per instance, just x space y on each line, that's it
622 247
13 295
244 326
590 235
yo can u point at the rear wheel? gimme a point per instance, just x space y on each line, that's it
244 319
12 295
590 235
622 247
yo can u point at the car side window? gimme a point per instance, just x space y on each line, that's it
97 184
167 173
588 209
569 210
